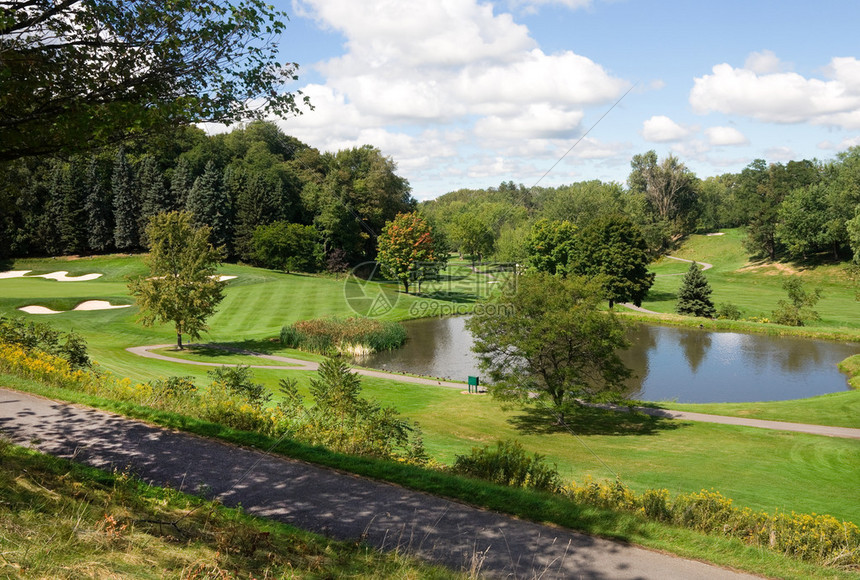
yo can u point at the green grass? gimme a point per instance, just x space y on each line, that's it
761 469
62 520
523 503
756 287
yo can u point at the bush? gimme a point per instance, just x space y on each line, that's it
43 337
508 464
729 311
238 380
352 336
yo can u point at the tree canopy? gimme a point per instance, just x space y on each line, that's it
182 286
407 249
81 73
548 343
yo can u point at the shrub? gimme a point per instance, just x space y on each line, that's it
43 337
508 464
352 336
238 380
729 311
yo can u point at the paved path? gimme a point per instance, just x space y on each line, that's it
303 365
842 432
293 364
341 505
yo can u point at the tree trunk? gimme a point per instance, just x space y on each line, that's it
179 340
406 286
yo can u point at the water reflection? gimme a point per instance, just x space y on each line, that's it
687 365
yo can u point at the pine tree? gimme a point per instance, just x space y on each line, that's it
154 196
126 206
209 205
694 296
259 203
72 213
98 207
180 184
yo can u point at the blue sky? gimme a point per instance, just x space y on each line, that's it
462 93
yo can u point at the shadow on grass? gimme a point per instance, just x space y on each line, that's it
217 349
592 421
450 296
659 296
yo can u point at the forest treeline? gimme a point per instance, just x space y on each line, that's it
256 187
792 210
234 183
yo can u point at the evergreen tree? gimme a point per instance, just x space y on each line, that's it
126 206
98 208
694 296
154 196
259 203
209 205
180 184
72 223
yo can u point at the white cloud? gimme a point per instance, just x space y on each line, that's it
430 81
765 62
782 97
846 143
780 154
662 129
723 136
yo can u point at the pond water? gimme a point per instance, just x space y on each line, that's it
686 365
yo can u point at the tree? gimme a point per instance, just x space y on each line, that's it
853 228
613 247
406 248
288 247
669 188
694 296
98 207
182 286
210 206
799 307
550 246
76 74
548 343
126 205
473 235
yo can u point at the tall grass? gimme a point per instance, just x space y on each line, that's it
352 336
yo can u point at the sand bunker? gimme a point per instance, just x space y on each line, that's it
60 276
14 274
87 305
225 278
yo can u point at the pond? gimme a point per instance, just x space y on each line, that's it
681 364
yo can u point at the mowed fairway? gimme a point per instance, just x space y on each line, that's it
762 469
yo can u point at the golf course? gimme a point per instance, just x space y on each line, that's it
761 469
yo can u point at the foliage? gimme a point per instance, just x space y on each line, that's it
354 336
694 296
210 206
112 71
547 343
670 190
613 247
288 247
799 307
821 539
551 245
239 380
407 249
37 336
729 311
182 285
126 206
853 229
473 235
508 464
341 419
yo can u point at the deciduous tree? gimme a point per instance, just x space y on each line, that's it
182 285
549 343
613 247
76 74
550 246
407 248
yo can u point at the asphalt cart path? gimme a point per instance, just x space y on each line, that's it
341 505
